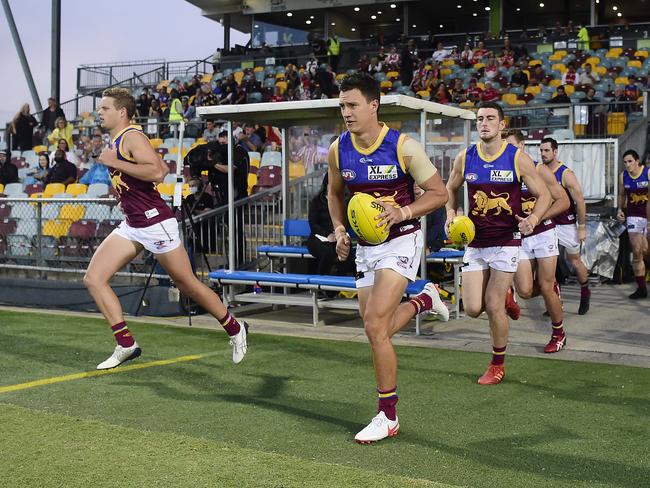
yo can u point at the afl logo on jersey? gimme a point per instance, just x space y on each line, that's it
471 177
348 174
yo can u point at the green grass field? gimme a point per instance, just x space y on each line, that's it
286 416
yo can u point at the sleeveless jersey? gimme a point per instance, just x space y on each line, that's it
379 171
494 189
528 203
636 190
568 216
141 203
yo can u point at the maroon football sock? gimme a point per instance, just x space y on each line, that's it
387 402
230 324
122 334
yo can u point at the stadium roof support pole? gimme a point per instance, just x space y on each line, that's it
226 31
423 219
593 13
231 202
21 55
56 50
468 141
285 181
496 17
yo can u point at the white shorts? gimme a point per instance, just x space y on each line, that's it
401 254
157 238
637 225
542 245
567 234
500 258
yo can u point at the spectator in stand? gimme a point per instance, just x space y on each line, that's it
490 94
381 56
22 128
392 60
277 95
441 95
474 92
206 98
142 107
491 70
570 76
466 56
154 109
537 75
291 95
239 95
419 78
333 51
8 172
479 53
620 102
189 110
591 100
408 62
519 78
560 96
308 152
588 76
62 130
312 65
248 139
292 77
211 132
507 57
304 90
375 66
50 114
163 96
440 54
583 37
363 63
63 146
39 174
458 93
632 93
98 173
326 78
63 170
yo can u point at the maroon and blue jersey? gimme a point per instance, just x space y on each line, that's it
141 203
379 171
494 190
636 190
568 216
528 204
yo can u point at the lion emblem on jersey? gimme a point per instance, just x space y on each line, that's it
638 198
484 203
527 205
390 199
118 182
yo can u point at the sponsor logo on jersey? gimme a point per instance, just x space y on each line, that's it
488 165
383 172
348 174
365 160
642 184
502 175
471 177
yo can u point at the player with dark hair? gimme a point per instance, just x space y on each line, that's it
632 202
371 158
569 235
539 251
493 171
149 224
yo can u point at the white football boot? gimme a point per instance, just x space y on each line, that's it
379 428
120 355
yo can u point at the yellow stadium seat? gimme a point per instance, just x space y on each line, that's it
53 189
438 139
481 85
479 65
200 141
386 85
445 72
185 190
76 189
56 227
165 189
642 53
174 150
162 84
282 85
2 187
534 90
392 75
155 143
614 52
509 98
296 170
36 195
459 138
569 89
616 123
601 70
555 83
252 181
466 104
40 149
72 212
206 78
279 76
527 73
424 94
238 75
622 80
257 69
340 76
634 64
579 129
448 62
535 62
559 67
592 60
557 56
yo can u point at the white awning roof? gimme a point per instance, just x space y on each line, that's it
393 107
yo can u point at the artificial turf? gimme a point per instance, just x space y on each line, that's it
286 416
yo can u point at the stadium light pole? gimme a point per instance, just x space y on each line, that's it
21 55
55 70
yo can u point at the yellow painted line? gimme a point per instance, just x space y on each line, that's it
102 372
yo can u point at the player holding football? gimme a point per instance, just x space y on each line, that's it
493 171
149 224
371 158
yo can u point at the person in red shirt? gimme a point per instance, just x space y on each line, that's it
474 92
490 93
277 95
479 53
570 75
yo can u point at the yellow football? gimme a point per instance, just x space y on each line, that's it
362 211
462 230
